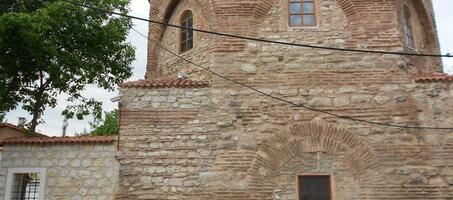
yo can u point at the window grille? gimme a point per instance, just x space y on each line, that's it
408 29
25 186
186 42
314 188
302 13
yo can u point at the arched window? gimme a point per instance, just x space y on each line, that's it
186 42
302 13
409 35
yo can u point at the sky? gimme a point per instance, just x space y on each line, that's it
54 120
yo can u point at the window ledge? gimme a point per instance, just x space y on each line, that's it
412 49
301 28
186 52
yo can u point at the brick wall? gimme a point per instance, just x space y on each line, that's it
342 23
227 142
230 143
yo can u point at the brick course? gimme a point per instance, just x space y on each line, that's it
228 142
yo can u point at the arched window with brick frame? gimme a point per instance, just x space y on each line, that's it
186 38
302 13
407 26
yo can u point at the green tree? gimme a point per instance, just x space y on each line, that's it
51 47
107 126
2 117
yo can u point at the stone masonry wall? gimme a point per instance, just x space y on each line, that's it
228 142
231 143
359 24
74 172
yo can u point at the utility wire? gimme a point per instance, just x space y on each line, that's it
261 92
260 40
287 101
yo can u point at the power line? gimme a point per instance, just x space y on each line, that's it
259 91
257 39
287 101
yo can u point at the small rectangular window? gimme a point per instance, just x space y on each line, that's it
186 37
314 187
25 184
408 29
302 13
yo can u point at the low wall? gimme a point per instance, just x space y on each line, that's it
73 171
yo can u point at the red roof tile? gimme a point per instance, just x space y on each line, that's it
11 126
60 140
166 83
20 129
433 77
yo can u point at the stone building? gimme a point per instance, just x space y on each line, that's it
204 137
8 131
12 131
59 168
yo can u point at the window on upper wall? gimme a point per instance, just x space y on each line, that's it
25 184
314 187
408 33
186 40
302 13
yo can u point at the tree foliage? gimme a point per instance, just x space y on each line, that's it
107 126
51 47
2 117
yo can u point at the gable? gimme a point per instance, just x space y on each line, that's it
9 132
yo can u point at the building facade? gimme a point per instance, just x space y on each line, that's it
59 168
188 134
8 131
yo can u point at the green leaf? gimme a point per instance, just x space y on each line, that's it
109 125
50 47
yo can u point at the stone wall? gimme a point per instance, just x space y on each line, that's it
356 24
74 171
231 143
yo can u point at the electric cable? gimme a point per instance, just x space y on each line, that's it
261 40
287 101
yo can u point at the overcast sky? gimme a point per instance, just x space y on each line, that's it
53 119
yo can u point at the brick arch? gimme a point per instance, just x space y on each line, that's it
429 29
348 7
357 156
260 169
246 16
425 19
320 137
425 32
162 10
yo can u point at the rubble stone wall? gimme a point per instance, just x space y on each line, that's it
229 142
375 25
232 143
87 171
